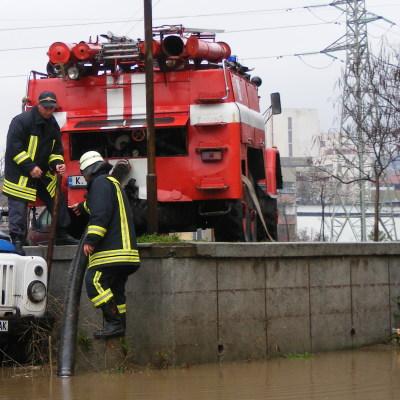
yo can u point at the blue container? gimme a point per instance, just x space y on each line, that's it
6 246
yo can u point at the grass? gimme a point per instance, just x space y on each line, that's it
156 238
298 356
85 342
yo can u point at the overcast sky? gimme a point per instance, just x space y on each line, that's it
258 31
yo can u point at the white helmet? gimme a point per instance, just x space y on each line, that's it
89 158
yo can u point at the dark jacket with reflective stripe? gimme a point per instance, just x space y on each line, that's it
31 141
110 230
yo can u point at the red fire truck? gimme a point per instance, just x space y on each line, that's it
213 168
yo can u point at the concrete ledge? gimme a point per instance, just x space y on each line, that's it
203 302
242 250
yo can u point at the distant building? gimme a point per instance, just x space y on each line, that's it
294 132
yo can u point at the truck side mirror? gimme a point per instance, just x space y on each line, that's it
276 103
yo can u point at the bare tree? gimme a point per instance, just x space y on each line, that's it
315 187
369 146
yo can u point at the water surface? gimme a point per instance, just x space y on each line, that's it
372 373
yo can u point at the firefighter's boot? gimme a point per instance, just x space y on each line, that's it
113 323
18 242
123 320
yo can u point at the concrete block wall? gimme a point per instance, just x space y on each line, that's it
205 302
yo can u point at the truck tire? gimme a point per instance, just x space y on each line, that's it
229 227
240 224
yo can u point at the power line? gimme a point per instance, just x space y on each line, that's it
232 31
299 55
315 67
271 28
135 24
24 48
13 76
322 19
259 11
271 10
308 8
24 28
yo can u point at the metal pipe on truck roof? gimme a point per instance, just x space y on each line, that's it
86 51
152 217
60 53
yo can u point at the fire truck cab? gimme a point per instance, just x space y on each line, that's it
213 168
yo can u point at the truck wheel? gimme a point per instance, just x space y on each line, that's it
240 224
229 227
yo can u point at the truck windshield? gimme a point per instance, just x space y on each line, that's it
130 143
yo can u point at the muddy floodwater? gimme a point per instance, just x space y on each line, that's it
372 373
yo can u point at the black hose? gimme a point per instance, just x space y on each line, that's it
67 344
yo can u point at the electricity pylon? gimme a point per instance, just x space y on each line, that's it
351 164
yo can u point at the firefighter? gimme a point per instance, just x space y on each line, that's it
34 155
110 243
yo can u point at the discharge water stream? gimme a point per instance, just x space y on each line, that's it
370 373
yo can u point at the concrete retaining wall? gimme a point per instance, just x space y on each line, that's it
205 302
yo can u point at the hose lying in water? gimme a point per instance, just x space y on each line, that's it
67 344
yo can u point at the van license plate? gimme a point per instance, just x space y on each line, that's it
76 181
3 326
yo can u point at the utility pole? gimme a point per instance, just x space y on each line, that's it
151 179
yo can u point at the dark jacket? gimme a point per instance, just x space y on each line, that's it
110 230
31 141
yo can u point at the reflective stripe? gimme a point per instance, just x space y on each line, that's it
113 253
107 253
96 282
102 298
114 256
96 230
126 239
85 207
32 147
51 187
18 193
112 179
21 157
115 260
54 157
23 181
17 186
19 190
121 308
126 255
